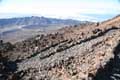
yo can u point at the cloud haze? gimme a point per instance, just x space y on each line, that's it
75 9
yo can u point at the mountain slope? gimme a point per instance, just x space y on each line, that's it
84 52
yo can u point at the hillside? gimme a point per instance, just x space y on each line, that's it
80 52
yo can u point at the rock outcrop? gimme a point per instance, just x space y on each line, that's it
85 52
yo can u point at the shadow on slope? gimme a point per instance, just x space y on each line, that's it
7 69
111 70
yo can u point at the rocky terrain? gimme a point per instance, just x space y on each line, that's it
80 52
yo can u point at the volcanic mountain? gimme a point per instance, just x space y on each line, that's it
80 52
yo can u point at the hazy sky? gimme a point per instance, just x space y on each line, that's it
75 9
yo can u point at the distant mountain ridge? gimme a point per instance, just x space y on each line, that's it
34 20
24 27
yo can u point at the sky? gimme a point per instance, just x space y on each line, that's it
91 10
